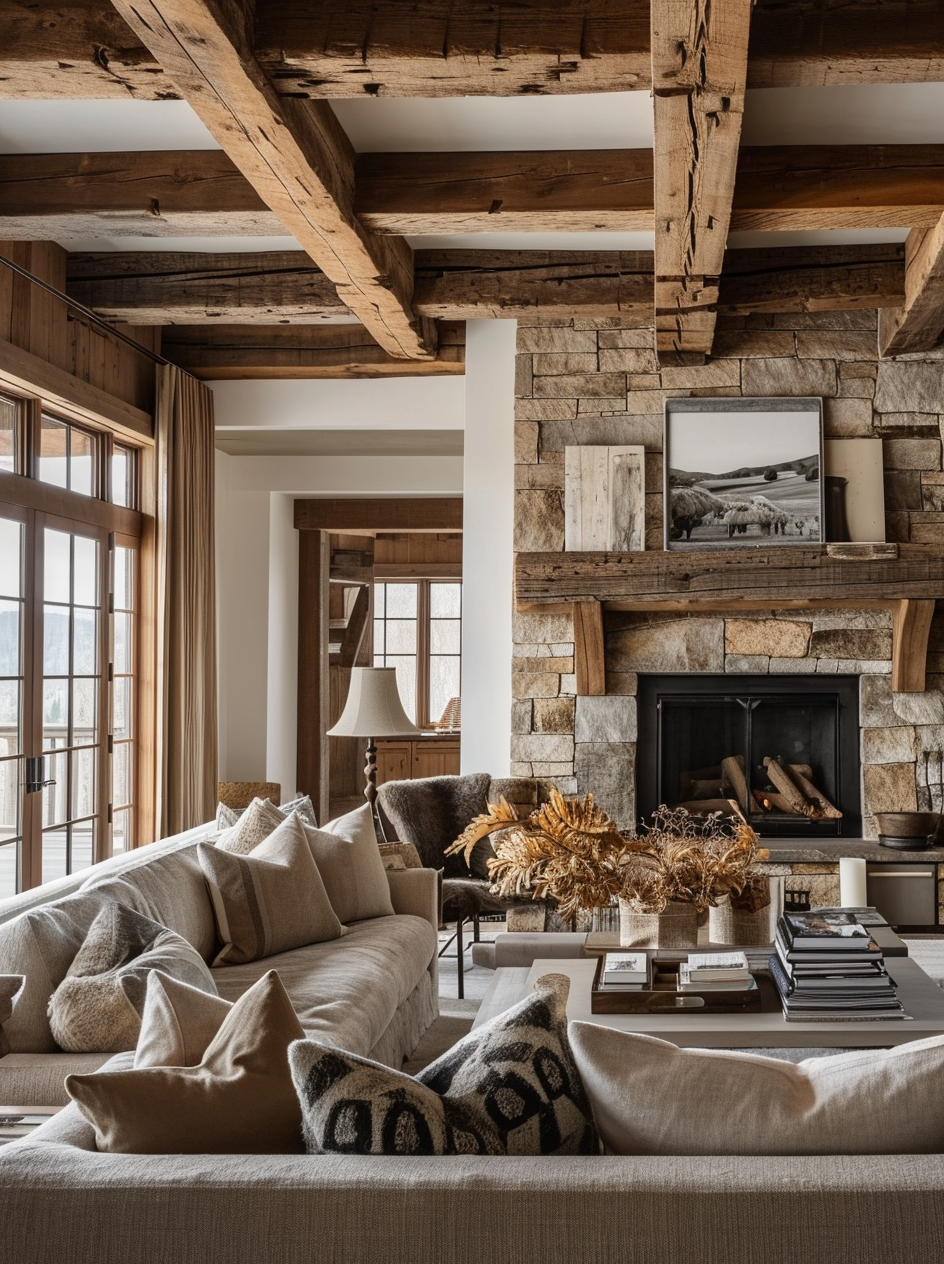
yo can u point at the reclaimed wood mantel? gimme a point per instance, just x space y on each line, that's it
732 581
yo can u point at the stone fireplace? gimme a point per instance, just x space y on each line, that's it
590 382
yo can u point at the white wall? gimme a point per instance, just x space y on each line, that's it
487 549
257 561
407 403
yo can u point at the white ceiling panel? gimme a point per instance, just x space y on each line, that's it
607 120
78 127
830 237
868 114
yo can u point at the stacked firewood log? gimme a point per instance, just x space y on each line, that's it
789 790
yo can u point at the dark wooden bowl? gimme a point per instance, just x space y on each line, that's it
907 824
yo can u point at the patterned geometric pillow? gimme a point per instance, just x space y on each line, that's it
511 1087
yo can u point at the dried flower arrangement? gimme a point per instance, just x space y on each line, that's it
572 852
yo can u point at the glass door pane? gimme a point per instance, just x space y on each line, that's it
12 612
72 686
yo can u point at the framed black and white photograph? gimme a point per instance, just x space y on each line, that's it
743 473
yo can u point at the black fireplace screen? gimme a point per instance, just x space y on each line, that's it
785 749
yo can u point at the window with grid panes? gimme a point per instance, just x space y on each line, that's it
417 629
67 737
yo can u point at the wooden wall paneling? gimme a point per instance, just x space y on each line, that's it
418 548
358 516
314 565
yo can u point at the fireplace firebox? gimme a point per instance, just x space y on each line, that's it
785 749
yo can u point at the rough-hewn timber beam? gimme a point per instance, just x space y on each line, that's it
167 288
198 193
219 352
294 154
82 48
699 75
918 325
46 196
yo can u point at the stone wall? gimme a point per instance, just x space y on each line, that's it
591 382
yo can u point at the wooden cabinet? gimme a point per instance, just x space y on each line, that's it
405 759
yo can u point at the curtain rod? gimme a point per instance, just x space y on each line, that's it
84 311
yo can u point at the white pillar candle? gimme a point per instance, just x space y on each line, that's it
852 888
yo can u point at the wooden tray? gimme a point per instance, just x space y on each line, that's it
665 996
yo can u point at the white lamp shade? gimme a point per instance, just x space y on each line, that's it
373 707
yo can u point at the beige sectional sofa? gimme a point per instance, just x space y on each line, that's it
374 991
63 1202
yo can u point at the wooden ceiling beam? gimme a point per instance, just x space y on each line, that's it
189 289
170 288
918 325
202 193
355 516
294 154
72 49
230 352
699 75
196 193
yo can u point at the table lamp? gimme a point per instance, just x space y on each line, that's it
373 709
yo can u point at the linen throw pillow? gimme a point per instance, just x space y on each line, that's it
351 866
269 901
239 1099
10 984
97 1006
251 827
650 1097
178 1024
511 1087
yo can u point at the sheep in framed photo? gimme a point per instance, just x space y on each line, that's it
743 473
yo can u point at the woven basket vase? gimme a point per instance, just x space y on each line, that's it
675 927
727 925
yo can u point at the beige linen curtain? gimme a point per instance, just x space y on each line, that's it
186 603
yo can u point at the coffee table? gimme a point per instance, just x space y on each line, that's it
920 996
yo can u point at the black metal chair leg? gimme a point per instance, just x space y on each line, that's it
475 928
460 959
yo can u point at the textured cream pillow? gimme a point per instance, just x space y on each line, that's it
351 866
238 1100
178 1024
270 901
97 1006
10 984
252 827
650 1097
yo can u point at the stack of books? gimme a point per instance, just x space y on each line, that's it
827 968
714 972
626 971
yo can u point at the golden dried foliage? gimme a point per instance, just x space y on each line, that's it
570 851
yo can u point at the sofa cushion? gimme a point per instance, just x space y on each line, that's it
178 1024
97 1007
509 1088
347 991
650 1097
252 827
432 812
238 1100
351 866
41 944
10 984
270 901
168 888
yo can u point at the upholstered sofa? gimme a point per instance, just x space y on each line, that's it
64 1202
373 991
